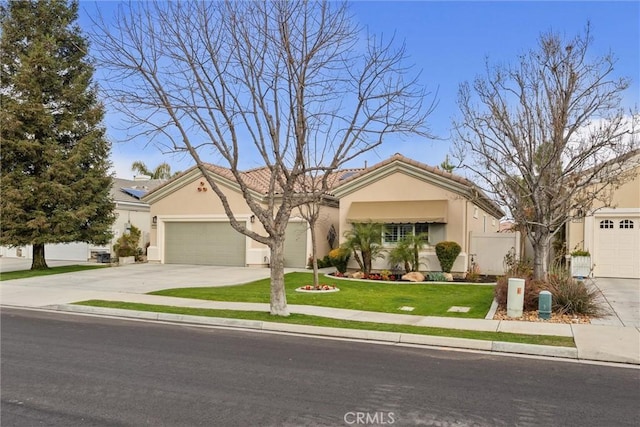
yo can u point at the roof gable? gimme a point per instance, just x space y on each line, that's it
432 175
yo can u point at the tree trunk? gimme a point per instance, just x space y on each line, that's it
540 254
314 253
358 260
38 262
278 294
366 261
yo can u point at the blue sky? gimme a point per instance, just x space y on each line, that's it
449 42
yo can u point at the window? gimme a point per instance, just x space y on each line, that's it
396 232
606 223
626 223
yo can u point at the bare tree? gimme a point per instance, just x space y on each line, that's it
543 133
281 80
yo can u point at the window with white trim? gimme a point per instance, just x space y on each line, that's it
396 232
606 223
626 223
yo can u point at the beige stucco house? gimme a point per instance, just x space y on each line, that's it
411 197
611 234
129 209
190 226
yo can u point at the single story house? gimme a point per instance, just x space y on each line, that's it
411 197
611 234
129 209
191 227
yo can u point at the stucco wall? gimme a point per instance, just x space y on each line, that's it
625 197
399 186
188 203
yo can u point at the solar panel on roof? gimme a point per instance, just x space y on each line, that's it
134 192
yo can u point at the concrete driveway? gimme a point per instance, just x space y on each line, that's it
112 282
623 297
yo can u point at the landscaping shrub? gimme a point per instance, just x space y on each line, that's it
571 296
322 262
580 252
339 258
436 277
447 253
515 267
127 244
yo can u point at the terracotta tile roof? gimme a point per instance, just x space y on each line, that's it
400 157
257 179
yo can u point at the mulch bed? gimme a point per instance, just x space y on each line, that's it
532 316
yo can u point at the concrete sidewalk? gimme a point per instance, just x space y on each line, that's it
131 283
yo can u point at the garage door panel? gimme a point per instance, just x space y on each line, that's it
204 243
617 249
295 245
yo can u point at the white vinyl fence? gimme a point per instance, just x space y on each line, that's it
488 250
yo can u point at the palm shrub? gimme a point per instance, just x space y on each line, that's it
339 258
447 253
364 240
407 252
127 244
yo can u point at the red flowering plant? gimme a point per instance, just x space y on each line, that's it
318 288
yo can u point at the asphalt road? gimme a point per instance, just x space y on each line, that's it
69 370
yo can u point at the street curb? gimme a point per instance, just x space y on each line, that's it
492 310
378 336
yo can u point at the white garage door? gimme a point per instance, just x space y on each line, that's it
204 243
617 247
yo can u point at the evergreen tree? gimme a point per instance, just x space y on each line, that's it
54 162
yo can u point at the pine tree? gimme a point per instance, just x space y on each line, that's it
54 162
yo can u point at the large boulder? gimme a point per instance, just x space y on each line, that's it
357 275
414 276
448 277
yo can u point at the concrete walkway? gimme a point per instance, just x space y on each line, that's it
131 283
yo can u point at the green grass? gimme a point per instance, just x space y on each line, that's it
23 274
302 319
428 299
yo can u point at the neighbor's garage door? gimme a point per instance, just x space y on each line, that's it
617 247
295 245
203 243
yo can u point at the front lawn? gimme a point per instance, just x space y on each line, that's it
427 299
302 319
23 274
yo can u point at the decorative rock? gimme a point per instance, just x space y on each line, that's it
414 276
358 275
448 277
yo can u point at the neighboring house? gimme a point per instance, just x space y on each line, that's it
129 209
191 226
411 197
611 234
